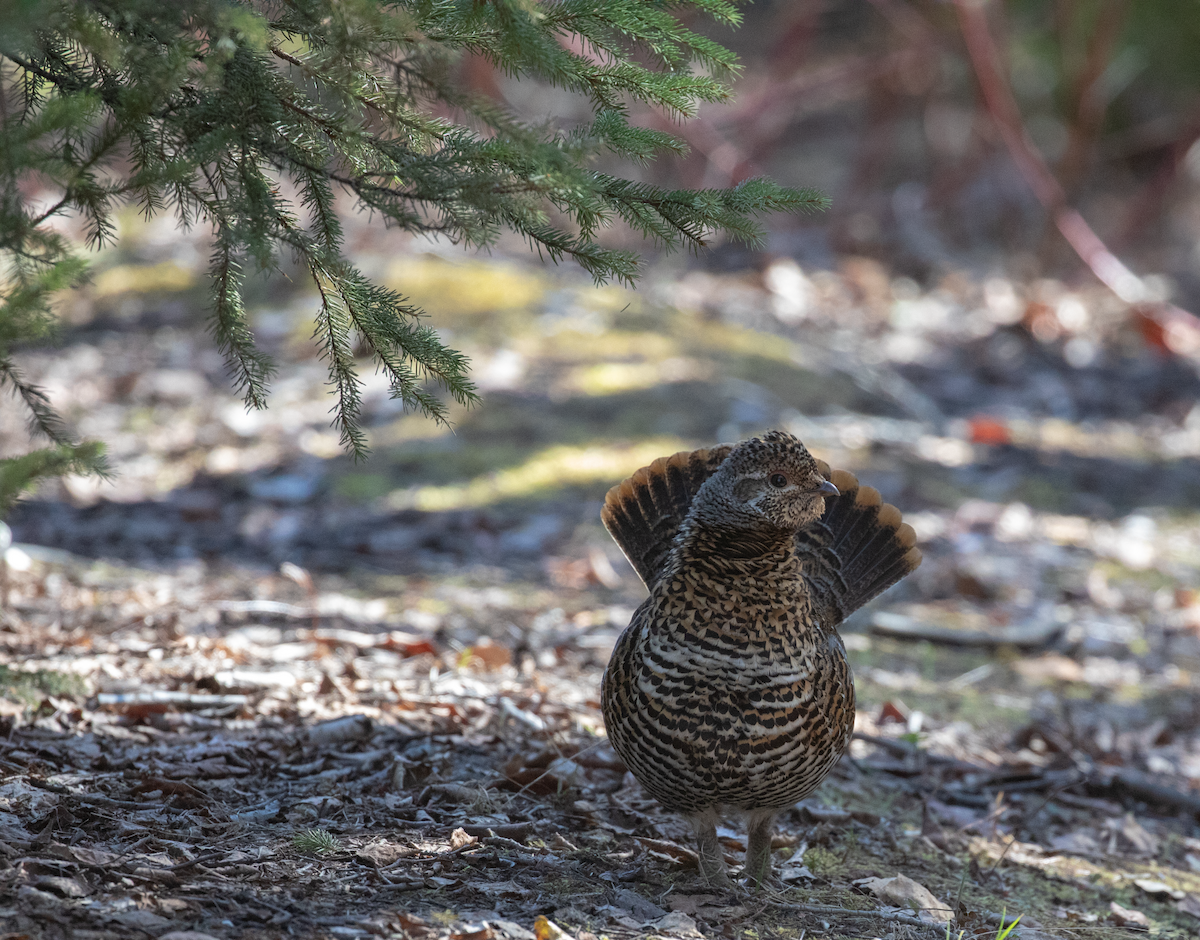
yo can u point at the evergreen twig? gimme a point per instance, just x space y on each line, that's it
203 108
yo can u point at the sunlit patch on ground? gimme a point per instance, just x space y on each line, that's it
545 474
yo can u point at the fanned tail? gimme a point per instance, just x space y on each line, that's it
857 550
643 513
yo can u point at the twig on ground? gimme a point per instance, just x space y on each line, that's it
851 912
1144 787
107 801
414 860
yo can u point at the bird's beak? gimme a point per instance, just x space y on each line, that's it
828 489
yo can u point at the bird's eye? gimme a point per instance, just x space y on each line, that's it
778 480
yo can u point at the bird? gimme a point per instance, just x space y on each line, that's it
730 688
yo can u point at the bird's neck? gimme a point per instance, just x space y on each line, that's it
723 551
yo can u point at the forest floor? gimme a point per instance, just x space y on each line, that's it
252 689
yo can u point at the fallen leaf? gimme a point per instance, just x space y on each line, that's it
1052 666
93 856
1139 838
668 851
504 889
1190 905
892 712
63 887
690 903
1158 887
985 430
794 868
512 931
1124 917
677 924
142 921
486 655
643 910
1079 843
379 854
408 645
902 891
459 839
483 933
413 926
190 796
546 929
341 730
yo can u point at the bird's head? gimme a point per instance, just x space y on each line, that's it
766 483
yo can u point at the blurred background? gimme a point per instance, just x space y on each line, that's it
932 332
1037 679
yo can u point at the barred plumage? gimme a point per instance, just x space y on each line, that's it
730 687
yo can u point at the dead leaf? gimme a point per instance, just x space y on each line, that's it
188 796
340 730
644 911
902 891
896 712
668 851
1051 667
794 869
677 924
487 655
1151 886
1190 905
379 854
407 644
690 903
459 839
503 889
90 855
483 933
63 887
1078 843
546 929
1124 917
1139 839
413 926
520 773
512 931
142 921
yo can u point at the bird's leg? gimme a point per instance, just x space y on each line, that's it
761 827
712 859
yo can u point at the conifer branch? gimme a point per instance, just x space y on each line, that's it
204 107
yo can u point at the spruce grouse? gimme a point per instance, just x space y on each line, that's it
730 686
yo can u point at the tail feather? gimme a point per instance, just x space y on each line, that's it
644 512
857 550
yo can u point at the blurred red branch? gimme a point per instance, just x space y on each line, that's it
1182 328
1088 99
